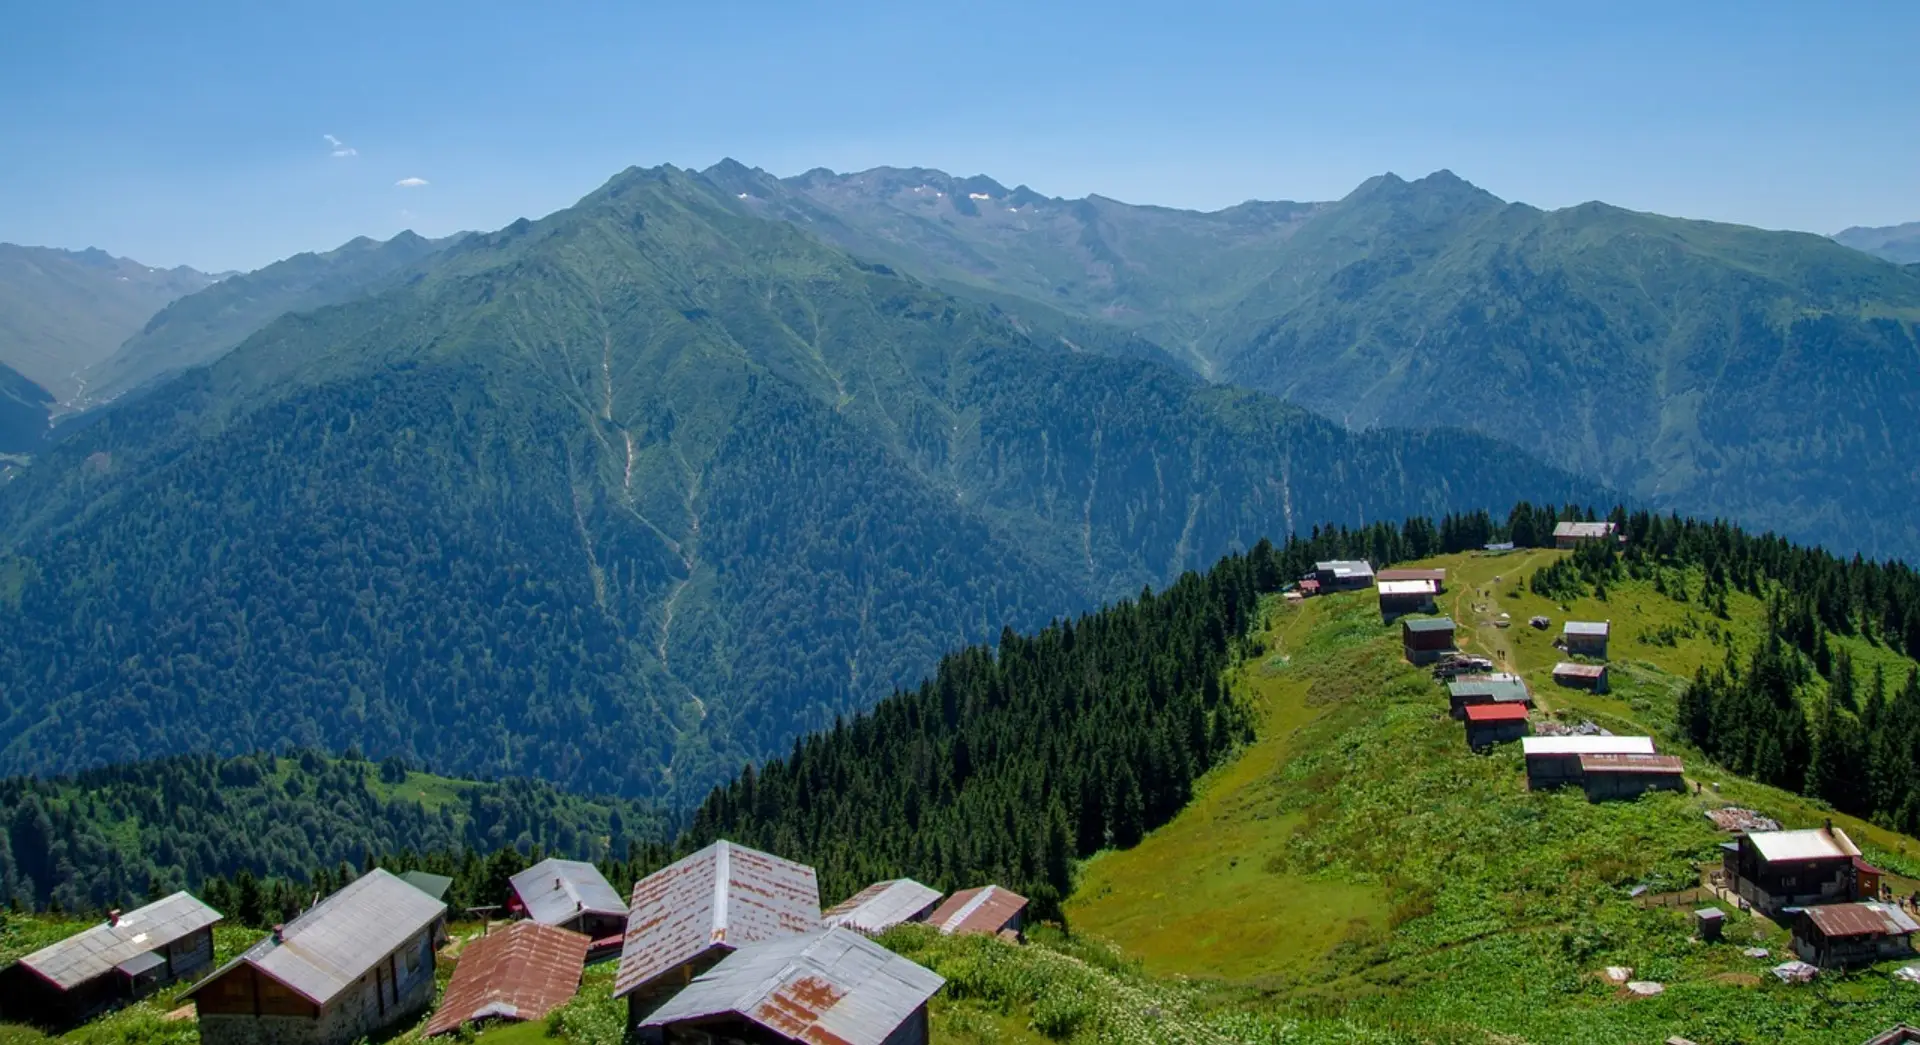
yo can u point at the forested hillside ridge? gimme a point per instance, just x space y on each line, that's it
24 409
201 327
64 310
1899 244
1712 369
278 826
625 498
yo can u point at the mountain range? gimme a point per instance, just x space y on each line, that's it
1896 243
627 495
61 311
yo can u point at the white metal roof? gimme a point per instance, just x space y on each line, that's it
1582 529
830 986
1814 844
1587 627
1345 567
96 951
883 905
1586 745
555 891
328 949
1406 587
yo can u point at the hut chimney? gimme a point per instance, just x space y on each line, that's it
557 883
113 916
1829 825
279 934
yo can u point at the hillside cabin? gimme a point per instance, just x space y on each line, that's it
359 963
1774 870
1628 776
1575 534
1555 761
1498 688
1497 547
1490 724
1400 598
883 905
831 986
1835 936
1426 640
1438 577
571 894
685 918
988 909
121 960
1590 677
517 974
1586 638
1343 575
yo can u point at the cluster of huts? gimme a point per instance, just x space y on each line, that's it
1816 881
727 945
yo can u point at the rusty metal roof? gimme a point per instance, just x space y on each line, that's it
95 952
834 987
987 909
556 891
1629 762
341 939
1860 919
1496 713
722 896
883 905
521 972
1580 671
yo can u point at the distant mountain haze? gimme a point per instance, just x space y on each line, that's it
630 494
1899 244
1713 369
61 311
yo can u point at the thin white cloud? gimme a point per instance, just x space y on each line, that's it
340 149
411 183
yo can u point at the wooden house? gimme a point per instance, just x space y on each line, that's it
571 894
685 918
1575 534
1835 936
1497 688
123 959
358 964
1586 638
1898 1034
1400 598
1628 775
517 974
988 909
1426 640
1773 870
1490 724
1437 576
830 986
1590 677
1343 575
883 905
1555 761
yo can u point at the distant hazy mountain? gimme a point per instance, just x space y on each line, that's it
64 310
628 495
1710 368
202 327
1896 243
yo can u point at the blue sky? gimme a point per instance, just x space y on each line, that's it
193 132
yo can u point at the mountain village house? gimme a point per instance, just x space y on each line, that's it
828 986
358 963
1426 640
988 909
1490 724
1834 936
1437 576
883 905
1574 534
1586 638
1499 688
1591 677
685 918
1773 870
1343 575
124 959
1555 761
520 973
572 895
1400 598
1629 775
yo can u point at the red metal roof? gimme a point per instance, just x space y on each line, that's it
1630 763
1865 868
1504 712
987 909
521 972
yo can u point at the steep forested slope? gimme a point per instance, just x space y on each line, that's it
62 311
203 326
622 497
23 412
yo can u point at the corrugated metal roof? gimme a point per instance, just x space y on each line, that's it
96 951
724 895
522 972
1579 671
833 988
1625 762
1583 529
1499 688
1408 574
883 905
1812 844
1587 627
1586 745
434 885
327 949
555 891
1405 587
1345 568
1496 713
987 909
1427 623
1861 919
